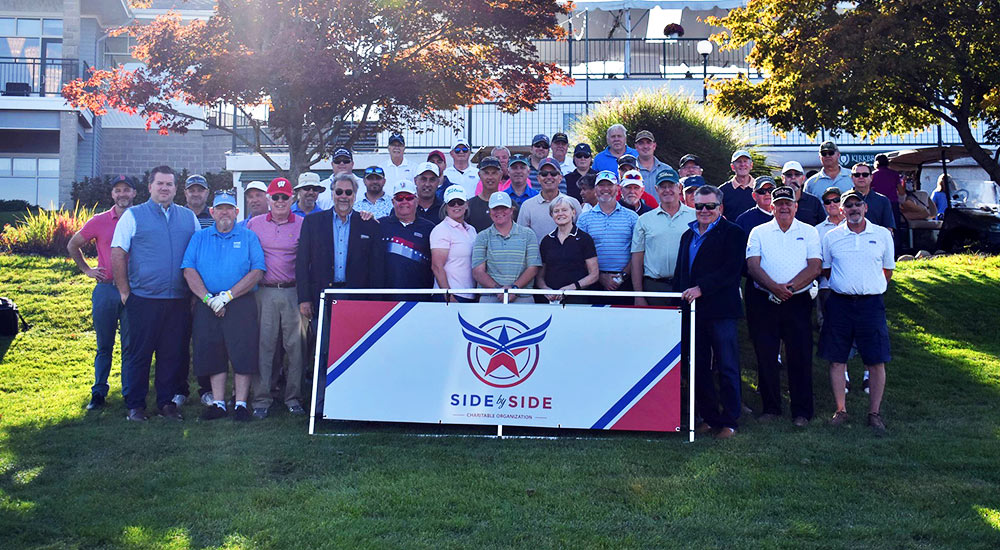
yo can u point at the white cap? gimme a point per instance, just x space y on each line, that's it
459 141
428 167
500 198
454 192
792 165
307 179
632 177
258 185
404 186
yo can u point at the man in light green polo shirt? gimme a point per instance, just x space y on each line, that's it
505 254
656 238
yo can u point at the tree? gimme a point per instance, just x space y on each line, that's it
869 67
318 64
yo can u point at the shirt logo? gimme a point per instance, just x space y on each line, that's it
503 352
237 244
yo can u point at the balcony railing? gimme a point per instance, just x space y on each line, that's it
641 58
33 76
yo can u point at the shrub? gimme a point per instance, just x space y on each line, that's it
97 191
16 205
46 232
680 124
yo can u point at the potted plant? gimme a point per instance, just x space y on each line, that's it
673 30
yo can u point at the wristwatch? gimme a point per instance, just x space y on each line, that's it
513 287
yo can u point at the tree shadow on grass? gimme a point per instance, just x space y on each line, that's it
5 343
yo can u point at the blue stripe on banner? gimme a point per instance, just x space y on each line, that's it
370 341
638 388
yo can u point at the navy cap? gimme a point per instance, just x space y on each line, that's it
514 159
342 152
196 179
489 162
783 193
851 193
583 148
690 158
398 138
761 181
122 178
550 162
627 159
692 181
540 138
560 137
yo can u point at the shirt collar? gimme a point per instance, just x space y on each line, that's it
291 217
694 227
572 233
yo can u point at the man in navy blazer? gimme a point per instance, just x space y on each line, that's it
335 248
709 267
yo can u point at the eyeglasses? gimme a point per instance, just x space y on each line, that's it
279 197
827 153
313 188
860 174
456 202
582 156
549 174
404 198
706 206
855 204
344 161
832 201
460 150
340 192
230 192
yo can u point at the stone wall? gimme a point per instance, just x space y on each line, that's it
133 151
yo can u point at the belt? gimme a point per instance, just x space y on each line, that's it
290 284
660 279
337 285
855 296
622 273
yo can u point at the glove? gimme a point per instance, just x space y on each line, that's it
226 297
216 303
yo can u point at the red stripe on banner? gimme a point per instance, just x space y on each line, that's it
350 320
658 410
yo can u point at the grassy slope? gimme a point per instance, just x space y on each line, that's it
72 480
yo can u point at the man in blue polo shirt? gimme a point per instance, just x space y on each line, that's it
608 158
610 225
222 265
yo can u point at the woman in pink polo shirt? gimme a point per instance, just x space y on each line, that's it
451 246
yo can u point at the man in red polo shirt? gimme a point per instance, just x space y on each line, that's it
106 303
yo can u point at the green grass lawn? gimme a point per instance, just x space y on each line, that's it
69 479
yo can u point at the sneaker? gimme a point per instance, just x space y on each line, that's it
170 411
876 423
725 433
800 422
847 387
297 410
207 399
179 400
137 415
260 413
242 414
96 402
864 386
213 412
839 418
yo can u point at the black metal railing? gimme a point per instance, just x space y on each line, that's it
33 76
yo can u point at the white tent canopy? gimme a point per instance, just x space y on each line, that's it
611 5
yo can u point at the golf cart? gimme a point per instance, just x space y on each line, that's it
972 218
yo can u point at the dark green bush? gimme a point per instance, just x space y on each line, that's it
16 205
97 191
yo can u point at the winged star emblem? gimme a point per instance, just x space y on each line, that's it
503 348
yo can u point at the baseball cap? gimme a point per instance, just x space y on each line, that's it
196 179
342 152
549 161
632 177
761 181
832 190
404 186
279 186
397 138
783 193
500 198
689 158
627 159
122 178
692 181
514 159
851 193
224 198
428 167
454 192
459 142
645 134
436 153
667 174
583 148
376 171
258 185
309 179
828 146
540 138
489 162
792 165
606 175
560 137
738 154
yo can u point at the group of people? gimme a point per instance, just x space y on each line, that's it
246 292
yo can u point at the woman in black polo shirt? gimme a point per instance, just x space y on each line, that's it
583 160
569 258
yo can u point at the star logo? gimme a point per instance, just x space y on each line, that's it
503 352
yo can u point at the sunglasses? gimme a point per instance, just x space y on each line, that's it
540 145
549 174
456 202
827 153
860 174
313 188
832 201
340 192
230 192
855 204
461 150
582 156
374 172
346 161
404 198
280 197
706 206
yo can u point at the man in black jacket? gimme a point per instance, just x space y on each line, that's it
709 266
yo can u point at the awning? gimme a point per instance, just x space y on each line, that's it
612 5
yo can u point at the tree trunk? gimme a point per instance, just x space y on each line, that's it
976 151
298 160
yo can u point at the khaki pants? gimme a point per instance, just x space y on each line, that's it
280 323
513 299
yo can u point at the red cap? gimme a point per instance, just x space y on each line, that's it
280 185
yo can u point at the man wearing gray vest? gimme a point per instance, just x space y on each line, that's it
146 253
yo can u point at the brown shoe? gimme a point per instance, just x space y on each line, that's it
170 411
839 417
725 433
767 417
702 428
800 421
876 423
137 415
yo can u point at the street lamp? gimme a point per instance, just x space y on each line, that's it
705 49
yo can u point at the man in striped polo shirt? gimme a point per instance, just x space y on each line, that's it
610 225
505 254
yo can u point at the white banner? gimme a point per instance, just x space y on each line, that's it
507 364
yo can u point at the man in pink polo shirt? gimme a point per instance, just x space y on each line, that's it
106 303
277 299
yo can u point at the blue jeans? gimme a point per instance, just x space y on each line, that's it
717 344
107 310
